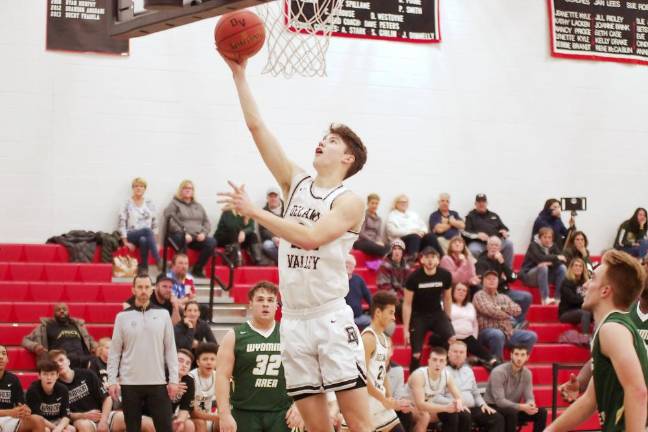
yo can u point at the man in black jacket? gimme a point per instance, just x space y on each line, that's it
544 263
481 223
269 241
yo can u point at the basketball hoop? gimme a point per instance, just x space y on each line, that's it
298 34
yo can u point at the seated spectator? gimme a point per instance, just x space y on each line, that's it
571 300
162 297
183 288
481 224
358 291
445 223
138 226
494 314
576 247
466 328
510 392
15 416
99 363
492 259
550 217
463 376
189 226
428 383
393 272
632 236
543 263
425 289
461 264
236 233
269 241
192 331
182 405
64 333
370 238
408 226
48 399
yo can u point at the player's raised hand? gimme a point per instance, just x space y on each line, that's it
238 199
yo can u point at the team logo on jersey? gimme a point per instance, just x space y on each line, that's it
352 335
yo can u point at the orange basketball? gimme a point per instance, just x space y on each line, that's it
239 34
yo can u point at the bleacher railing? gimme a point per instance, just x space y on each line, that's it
214 278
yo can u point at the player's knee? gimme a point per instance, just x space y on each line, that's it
33 423
189 426
83 425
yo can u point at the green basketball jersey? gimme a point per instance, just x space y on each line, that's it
642 326
609 392
258 375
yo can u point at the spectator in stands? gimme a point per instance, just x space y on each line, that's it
62 332
571 300
632 236
192 330
269 241
492 259
495 313
358 292
90 406
138 225
49 399
370 238
237 233
425 289
408 226
544 263
162 297
510 391
445 223
576 247
481 224
461 264
189 225
550 217
393 272
15 416
463 376
99 362
466 328
183 288
426 385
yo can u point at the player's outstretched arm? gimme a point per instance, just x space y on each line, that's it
225 362
617 344
346 215
271 151
577 412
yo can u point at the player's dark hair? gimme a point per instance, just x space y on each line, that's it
263 285
206 348
52 354
440 351
46 365
625 275
381 300
520 347
354 146
186 352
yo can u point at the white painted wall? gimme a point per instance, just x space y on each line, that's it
487 110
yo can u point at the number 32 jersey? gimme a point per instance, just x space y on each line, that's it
258 382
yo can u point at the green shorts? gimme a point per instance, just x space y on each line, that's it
260 421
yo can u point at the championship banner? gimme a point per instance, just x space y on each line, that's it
607 30
395 20
82 26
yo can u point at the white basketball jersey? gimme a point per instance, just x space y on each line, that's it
205 395
436 387
378 362
308 279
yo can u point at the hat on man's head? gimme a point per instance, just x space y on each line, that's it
428 250
480 197
273 190
490 271
162 277
398 243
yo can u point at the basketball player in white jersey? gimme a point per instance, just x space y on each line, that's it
377 346
321 346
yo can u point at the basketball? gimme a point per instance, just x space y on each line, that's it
239 34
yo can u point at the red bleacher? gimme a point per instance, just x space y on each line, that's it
34 277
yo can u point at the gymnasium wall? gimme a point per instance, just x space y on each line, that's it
487 110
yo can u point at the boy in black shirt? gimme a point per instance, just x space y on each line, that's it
15 416
50 399
90 406
99 363
183 405
425 288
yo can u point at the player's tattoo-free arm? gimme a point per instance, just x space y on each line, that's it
577 412
225 362
369 342
416 383
447 303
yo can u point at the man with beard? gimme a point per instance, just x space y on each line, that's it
162 297
183 283
63 333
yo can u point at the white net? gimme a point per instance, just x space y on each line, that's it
297 35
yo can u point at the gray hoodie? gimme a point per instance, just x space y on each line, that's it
192 217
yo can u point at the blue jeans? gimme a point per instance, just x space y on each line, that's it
523 299
271 250
362 321
144 239
540 276
476 247
495 340
638 251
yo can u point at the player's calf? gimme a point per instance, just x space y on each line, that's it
84 425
